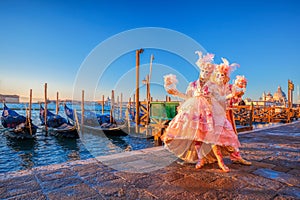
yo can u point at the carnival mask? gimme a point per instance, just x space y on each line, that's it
220 77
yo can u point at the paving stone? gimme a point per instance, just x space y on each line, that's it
284 162
135 166
281 169
125 159
183 195
80 191
227 194
20 188
161 161
261 182
263 165
15 174
160 152
258 155
79 167
136 193
49 168
37 195
129 175
16 180
239 168
165 190
295 172
60 183
99 178
87 170
54 174
150 169
210 194
113 188
83 162
114 157
171 176
278 176
146 181
155 150
194 185
188 184
205 176
291 192
284 197
252 192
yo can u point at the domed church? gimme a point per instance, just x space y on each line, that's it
278 97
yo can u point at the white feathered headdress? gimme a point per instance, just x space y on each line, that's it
240 81
205 61
226 68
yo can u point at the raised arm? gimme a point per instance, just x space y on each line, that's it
186 95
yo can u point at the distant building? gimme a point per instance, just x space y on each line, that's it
267 99
279 97
9 98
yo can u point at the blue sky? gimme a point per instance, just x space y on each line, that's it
47 41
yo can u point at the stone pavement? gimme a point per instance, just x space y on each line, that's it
156 174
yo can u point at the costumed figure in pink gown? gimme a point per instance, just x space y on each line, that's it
237 90
200 126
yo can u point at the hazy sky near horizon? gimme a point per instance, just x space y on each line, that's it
47 41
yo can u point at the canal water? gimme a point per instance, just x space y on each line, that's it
45 150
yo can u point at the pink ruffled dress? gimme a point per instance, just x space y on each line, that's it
201 119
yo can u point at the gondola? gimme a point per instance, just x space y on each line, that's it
57 125
96 122
16 125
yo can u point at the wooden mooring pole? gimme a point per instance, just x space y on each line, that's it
251 116
118 107
290 99
29 111
149 98
137 94
76 120
129 112
30 103
82 106
112 106
45 109
121 106
103 104
57 104
290 93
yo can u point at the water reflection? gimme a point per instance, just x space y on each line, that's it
120 142
70 146
98 143
46 150
21 145
24 149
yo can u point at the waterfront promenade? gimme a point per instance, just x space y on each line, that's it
156 174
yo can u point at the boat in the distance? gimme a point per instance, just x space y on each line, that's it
96 122
57 125
16 125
